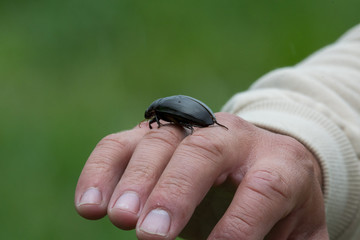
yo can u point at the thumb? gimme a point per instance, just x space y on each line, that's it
261 200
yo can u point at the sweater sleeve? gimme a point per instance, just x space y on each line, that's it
318 102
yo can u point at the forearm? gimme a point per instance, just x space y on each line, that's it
317 102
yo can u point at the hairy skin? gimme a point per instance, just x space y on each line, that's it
244 183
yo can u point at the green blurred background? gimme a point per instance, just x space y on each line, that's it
74 71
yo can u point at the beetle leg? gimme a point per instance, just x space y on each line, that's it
151 121
157 120
188 126
191 129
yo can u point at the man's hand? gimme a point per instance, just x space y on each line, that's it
153 180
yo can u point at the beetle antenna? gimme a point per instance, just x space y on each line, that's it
142 122
222 125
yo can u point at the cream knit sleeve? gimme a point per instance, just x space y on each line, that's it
318 103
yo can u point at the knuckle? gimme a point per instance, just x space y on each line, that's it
244 217
233 228
294 147
205 146
225 234
142 173
241 222
301 158
165 137
268 183
112 142
176 186
235 122
109 154
246 223
108 150
99 164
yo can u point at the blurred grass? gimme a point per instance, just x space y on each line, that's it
73 71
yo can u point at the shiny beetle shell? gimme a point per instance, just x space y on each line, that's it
181 110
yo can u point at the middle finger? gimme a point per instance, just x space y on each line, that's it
144 169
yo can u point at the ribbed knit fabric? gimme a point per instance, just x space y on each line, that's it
318 103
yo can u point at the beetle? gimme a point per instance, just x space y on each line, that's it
181 110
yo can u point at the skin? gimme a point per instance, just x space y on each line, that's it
271 182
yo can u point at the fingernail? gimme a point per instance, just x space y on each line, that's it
91 196
129 202
157 222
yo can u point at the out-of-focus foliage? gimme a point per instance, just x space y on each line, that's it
72 71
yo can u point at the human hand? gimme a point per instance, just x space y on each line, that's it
154 179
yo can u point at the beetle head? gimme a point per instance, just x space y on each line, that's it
149 113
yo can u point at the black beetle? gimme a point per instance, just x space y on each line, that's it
181 110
